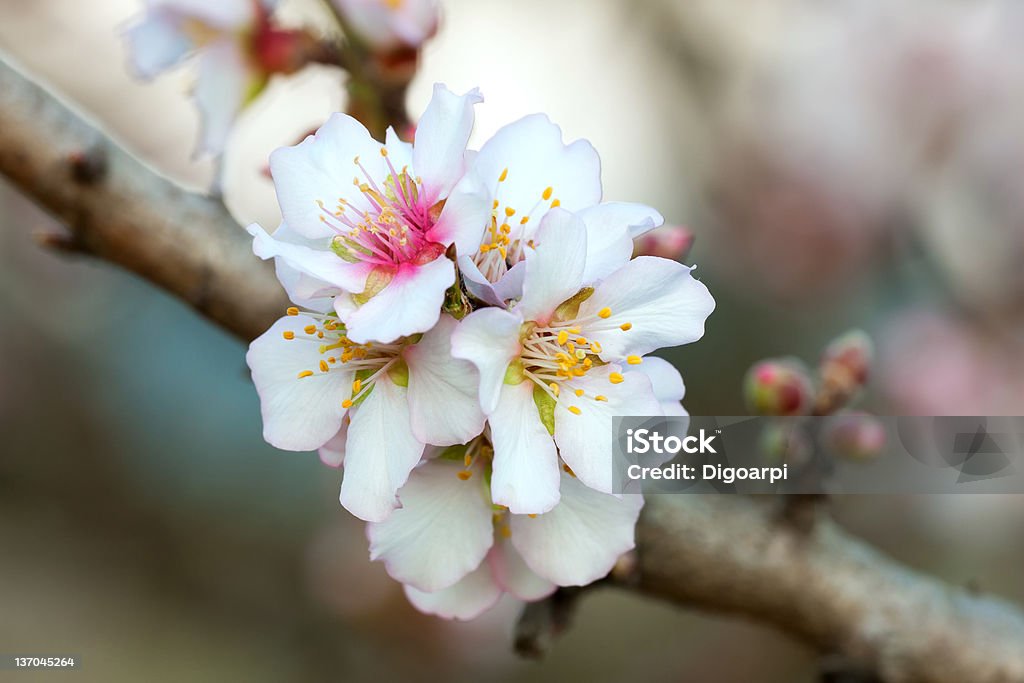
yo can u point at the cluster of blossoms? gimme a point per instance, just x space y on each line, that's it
466 324
239 46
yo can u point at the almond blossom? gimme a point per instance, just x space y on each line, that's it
238 49
374 406
388 25
522 172
552 367
457 554
367 225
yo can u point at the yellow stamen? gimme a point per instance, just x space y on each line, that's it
600 397
568 470
292 311
305 373
604 313
634 360
563 337
555 204
346 404
323 366
309 329
383 151
616 378
547 193
464 475
579 392
288 334
504 174
574 410
626 327
509 211
532 515
554 389
356 386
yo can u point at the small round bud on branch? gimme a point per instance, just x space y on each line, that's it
844 368
855 436
779 386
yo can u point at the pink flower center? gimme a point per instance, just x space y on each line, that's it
392 228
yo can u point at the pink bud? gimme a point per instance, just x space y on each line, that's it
283 51
668 241
778 387
850 353
856 436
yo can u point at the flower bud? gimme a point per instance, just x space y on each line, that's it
855 436
844 368
284 51
668 241
850 353
778 387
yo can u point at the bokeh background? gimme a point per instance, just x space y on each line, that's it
854 163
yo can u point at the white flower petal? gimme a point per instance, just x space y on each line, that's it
585 440
156 43
321 264
554 271
441 138
223 14
379 453
298 414
468 599
512 573
507 288
410 303
464 217
579 541
444 393
659 298
225 82
667 384
332 453
399 151
611 228
442 531
525 474
532 151
489 339
321 169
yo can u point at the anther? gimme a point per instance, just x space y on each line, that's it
563 337
634 360
464 475
604 312
547 193
309 329
305 373
323 366
288 334
626 327
574 410
600 397
579 392
555 204
504 174
616 378
292 311
509 211
346 404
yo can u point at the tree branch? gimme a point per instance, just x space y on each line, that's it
120 210
717 553
731 554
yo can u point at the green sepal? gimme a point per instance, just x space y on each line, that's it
514 373
377 280
545 408
570 308
399 373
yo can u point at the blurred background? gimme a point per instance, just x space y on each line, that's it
842 164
